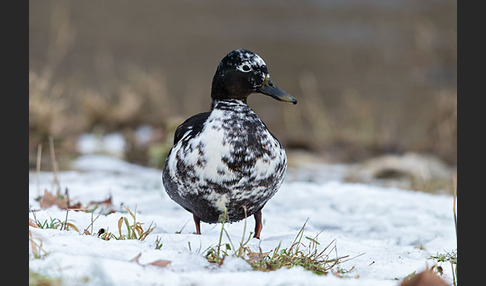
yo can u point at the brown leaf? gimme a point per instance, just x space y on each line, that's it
76 206
424 278
49 200
108 202
160 263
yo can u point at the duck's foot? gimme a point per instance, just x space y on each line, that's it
197 221
258 223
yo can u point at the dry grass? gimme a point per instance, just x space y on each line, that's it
356 98
311 256
36 279
36 246
354 134
70 110
62 201
133 231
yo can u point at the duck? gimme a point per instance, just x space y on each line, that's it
225 163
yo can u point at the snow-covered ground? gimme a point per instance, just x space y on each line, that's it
389 233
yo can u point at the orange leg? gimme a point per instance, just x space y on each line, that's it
258 223
197 221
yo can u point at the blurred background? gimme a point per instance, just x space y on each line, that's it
371 77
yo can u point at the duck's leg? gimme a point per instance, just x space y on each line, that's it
197 221
258 223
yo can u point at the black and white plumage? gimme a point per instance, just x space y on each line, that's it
227 158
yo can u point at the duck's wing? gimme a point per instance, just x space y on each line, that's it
193 124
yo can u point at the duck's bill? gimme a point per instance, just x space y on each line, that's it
270 89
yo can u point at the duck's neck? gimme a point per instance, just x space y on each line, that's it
228 91
230 101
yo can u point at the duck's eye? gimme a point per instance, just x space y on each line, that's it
244 68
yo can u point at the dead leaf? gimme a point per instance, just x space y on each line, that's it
76 206
424 278
49 200
107 202
160 263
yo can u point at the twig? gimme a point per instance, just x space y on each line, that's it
92 221
182 228
454 205
229 238
65 221
54 166
223 218
243 236
37 169
35 217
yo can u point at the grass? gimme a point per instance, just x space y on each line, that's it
126 230
217 255
52 223
55 223
447 257
133 231
36 278
36 246
158 243
304 251
309 256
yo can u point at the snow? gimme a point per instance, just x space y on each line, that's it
387 232
113 144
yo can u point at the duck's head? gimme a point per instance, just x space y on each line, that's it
241 73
